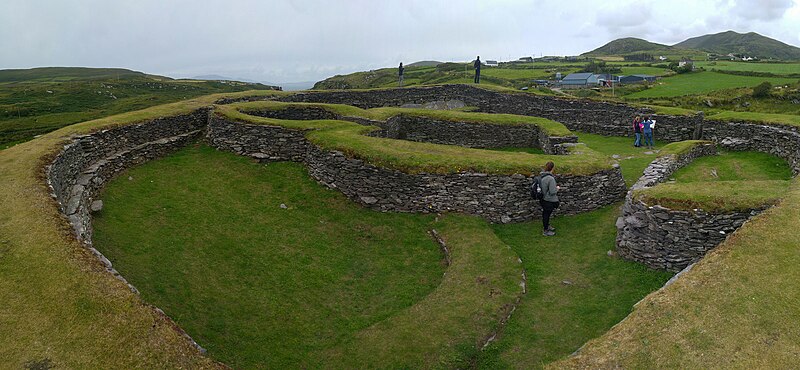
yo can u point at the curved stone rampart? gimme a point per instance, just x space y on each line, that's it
497 198
472 135
597 117
426 129
81 169
668 239
781 141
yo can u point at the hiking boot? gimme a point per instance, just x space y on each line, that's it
551 228
549 233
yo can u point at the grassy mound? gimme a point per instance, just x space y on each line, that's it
60 306
736 308
415 157
731 181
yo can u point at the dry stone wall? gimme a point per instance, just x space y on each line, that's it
668 239
424 129
81 169
604 118
472 135
497 198
781 141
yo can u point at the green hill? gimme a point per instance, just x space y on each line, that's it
66 73
424 63
750 44
629 45
39 100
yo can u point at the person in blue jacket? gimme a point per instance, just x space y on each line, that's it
647 130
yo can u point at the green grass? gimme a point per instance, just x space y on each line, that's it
632 160
555 318
783 119
735 166
672 111
416 157
37 101
653 71
730 181
701 83
319 283
776 68
737 308
722 196
552 128
211 246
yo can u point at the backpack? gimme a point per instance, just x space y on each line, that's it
536 187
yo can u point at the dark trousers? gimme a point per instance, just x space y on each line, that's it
547 211
477 76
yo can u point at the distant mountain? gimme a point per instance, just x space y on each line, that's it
424 63
46 74
213 77
749 44
629 45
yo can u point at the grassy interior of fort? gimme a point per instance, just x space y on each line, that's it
728 181
315 281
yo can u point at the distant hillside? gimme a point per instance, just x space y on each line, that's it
39 100
67 73
424 63
629 45
750 44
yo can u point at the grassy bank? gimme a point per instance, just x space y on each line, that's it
730 181
736 308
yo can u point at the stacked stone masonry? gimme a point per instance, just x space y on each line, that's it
497 198
424 129
668 239
85 164
81 169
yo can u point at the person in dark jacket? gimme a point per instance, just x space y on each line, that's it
549 200
400 73
477 66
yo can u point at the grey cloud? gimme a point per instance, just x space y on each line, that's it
761 10
301 40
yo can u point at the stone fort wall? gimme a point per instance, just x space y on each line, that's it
89 161
497 198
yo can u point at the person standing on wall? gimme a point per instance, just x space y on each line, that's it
477 66
400 73
647 129
637 131
549 197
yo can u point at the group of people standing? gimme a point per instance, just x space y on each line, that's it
643 127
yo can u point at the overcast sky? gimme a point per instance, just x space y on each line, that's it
309 40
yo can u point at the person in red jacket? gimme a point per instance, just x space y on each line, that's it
637 131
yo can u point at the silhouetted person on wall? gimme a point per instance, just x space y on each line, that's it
478 70
400 73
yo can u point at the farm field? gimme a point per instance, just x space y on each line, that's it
701 83
776 68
